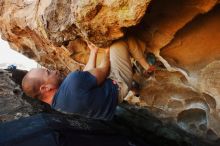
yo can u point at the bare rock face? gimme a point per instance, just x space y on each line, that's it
183 34
51 32
11 102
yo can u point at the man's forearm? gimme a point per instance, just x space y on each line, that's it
91 64
105 65
106 59
102 71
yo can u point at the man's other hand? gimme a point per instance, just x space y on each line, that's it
92 47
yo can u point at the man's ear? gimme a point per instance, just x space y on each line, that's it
45 88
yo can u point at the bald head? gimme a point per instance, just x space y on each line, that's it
31 83
38 77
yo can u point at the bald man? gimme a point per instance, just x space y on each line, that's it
93 92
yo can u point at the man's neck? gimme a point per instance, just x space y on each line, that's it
49 97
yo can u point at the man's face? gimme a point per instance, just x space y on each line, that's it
52 77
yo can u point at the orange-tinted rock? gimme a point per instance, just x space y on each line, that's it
42 30
194 46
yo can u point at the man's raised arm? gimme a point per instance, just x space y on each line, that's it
91 64
102 72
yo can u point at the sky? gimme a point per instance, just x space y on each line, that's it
9 56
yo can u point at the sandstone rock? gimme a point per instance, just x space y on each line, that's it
43 30
11 102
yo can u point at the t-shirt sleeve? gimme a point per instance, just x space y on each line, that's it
81 79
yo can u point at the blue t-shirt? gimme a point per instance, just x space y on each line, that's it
80 94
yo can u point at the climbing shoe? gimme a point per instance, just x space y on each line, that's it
151 58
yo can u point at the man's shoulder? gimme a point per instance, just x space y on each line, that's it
79 79
69 84
78 73
73 75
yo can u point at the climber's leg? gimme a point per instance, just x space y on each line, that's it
136 47
121 69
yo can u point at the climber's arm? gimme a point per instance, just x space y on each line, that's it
91 64
102 71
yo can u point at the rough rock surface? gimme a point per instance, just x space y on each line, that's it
54 32
183 34
11 102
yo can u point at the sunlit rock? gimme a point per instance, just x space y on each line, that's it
44 30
